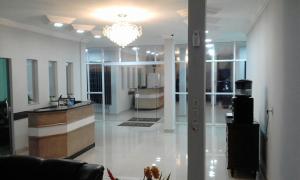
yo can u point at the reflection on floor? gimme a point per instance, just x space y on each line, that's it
127 150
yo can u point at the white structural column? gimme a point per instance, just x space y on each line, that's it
182 82
169 85
196 114
83 73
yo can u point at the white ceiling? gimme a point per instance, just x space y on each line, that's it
226 19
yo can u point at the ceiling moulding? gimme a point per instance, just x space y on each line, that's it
263 5
182 12
13 24
209 11
83 27
60 19
212 10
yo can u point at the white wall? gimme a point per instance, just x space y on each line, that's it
273 65
20 45
121 101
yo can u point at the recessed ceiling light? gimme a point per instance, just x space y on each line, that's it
58 24
135 48
208 40
148 52
211 52
206 31
209 45
97 36
134 14
153 53
80 31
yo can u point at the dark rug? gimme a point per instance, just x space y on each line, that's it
134 124
144 119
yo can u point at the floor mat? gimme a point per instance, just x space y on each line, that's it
144 119
135 124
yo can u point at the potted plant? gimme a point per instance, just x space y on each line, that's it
53 100
153 173
30 99
150 173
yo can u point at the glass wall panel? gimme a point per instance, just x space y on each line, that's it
240 70
208 70
130 54
95 78
222 106
95 55
208 109
224 77
181 107
241 50
52 79
32 81
70 79
210 52
181 78
224 51
112 54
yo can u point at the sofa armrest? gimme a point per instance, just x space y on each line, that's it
90 172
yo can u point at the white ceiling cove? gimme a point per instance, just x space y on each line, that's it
226 19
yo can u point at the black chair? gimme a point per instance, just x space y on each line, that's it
26 167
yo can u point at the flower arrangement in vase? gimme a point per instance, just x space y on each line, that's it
150 173
153 173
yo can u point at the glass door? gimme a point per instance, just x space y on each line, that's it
181 78
6 145
149 95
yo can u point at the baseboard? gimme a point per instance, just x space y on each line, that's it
22 151
81 151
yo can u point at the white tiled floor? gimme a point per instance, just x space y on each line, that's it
127 150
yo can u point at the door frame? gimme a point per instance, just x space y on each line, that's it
196 96
10 104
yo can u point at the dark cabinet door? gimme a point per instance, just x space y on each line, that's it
6 145
243 146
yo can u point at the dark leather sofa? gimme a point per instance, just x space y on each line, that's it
33 168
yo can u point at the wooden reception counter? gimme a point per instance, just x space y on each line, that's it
61 132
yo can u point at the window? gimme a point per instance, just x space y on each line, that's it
69 75
52 79
32 81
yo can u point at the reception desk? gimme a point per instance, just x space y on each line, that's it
61 132
149 99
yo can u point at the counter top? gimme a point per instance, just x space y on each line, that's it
61 108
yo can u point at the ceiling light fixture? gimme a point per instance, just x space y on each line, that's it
58 21
82 28
96 34
122 33
206 32
209 45
135 48
133 14
148 52
58 24
208 40
79 31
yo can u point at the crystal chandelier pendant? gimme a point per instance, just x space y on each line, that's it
122 33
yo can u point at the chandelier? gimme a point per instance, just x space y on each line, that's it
122 33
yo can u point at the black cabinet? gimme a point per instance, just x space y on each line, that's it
243 146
